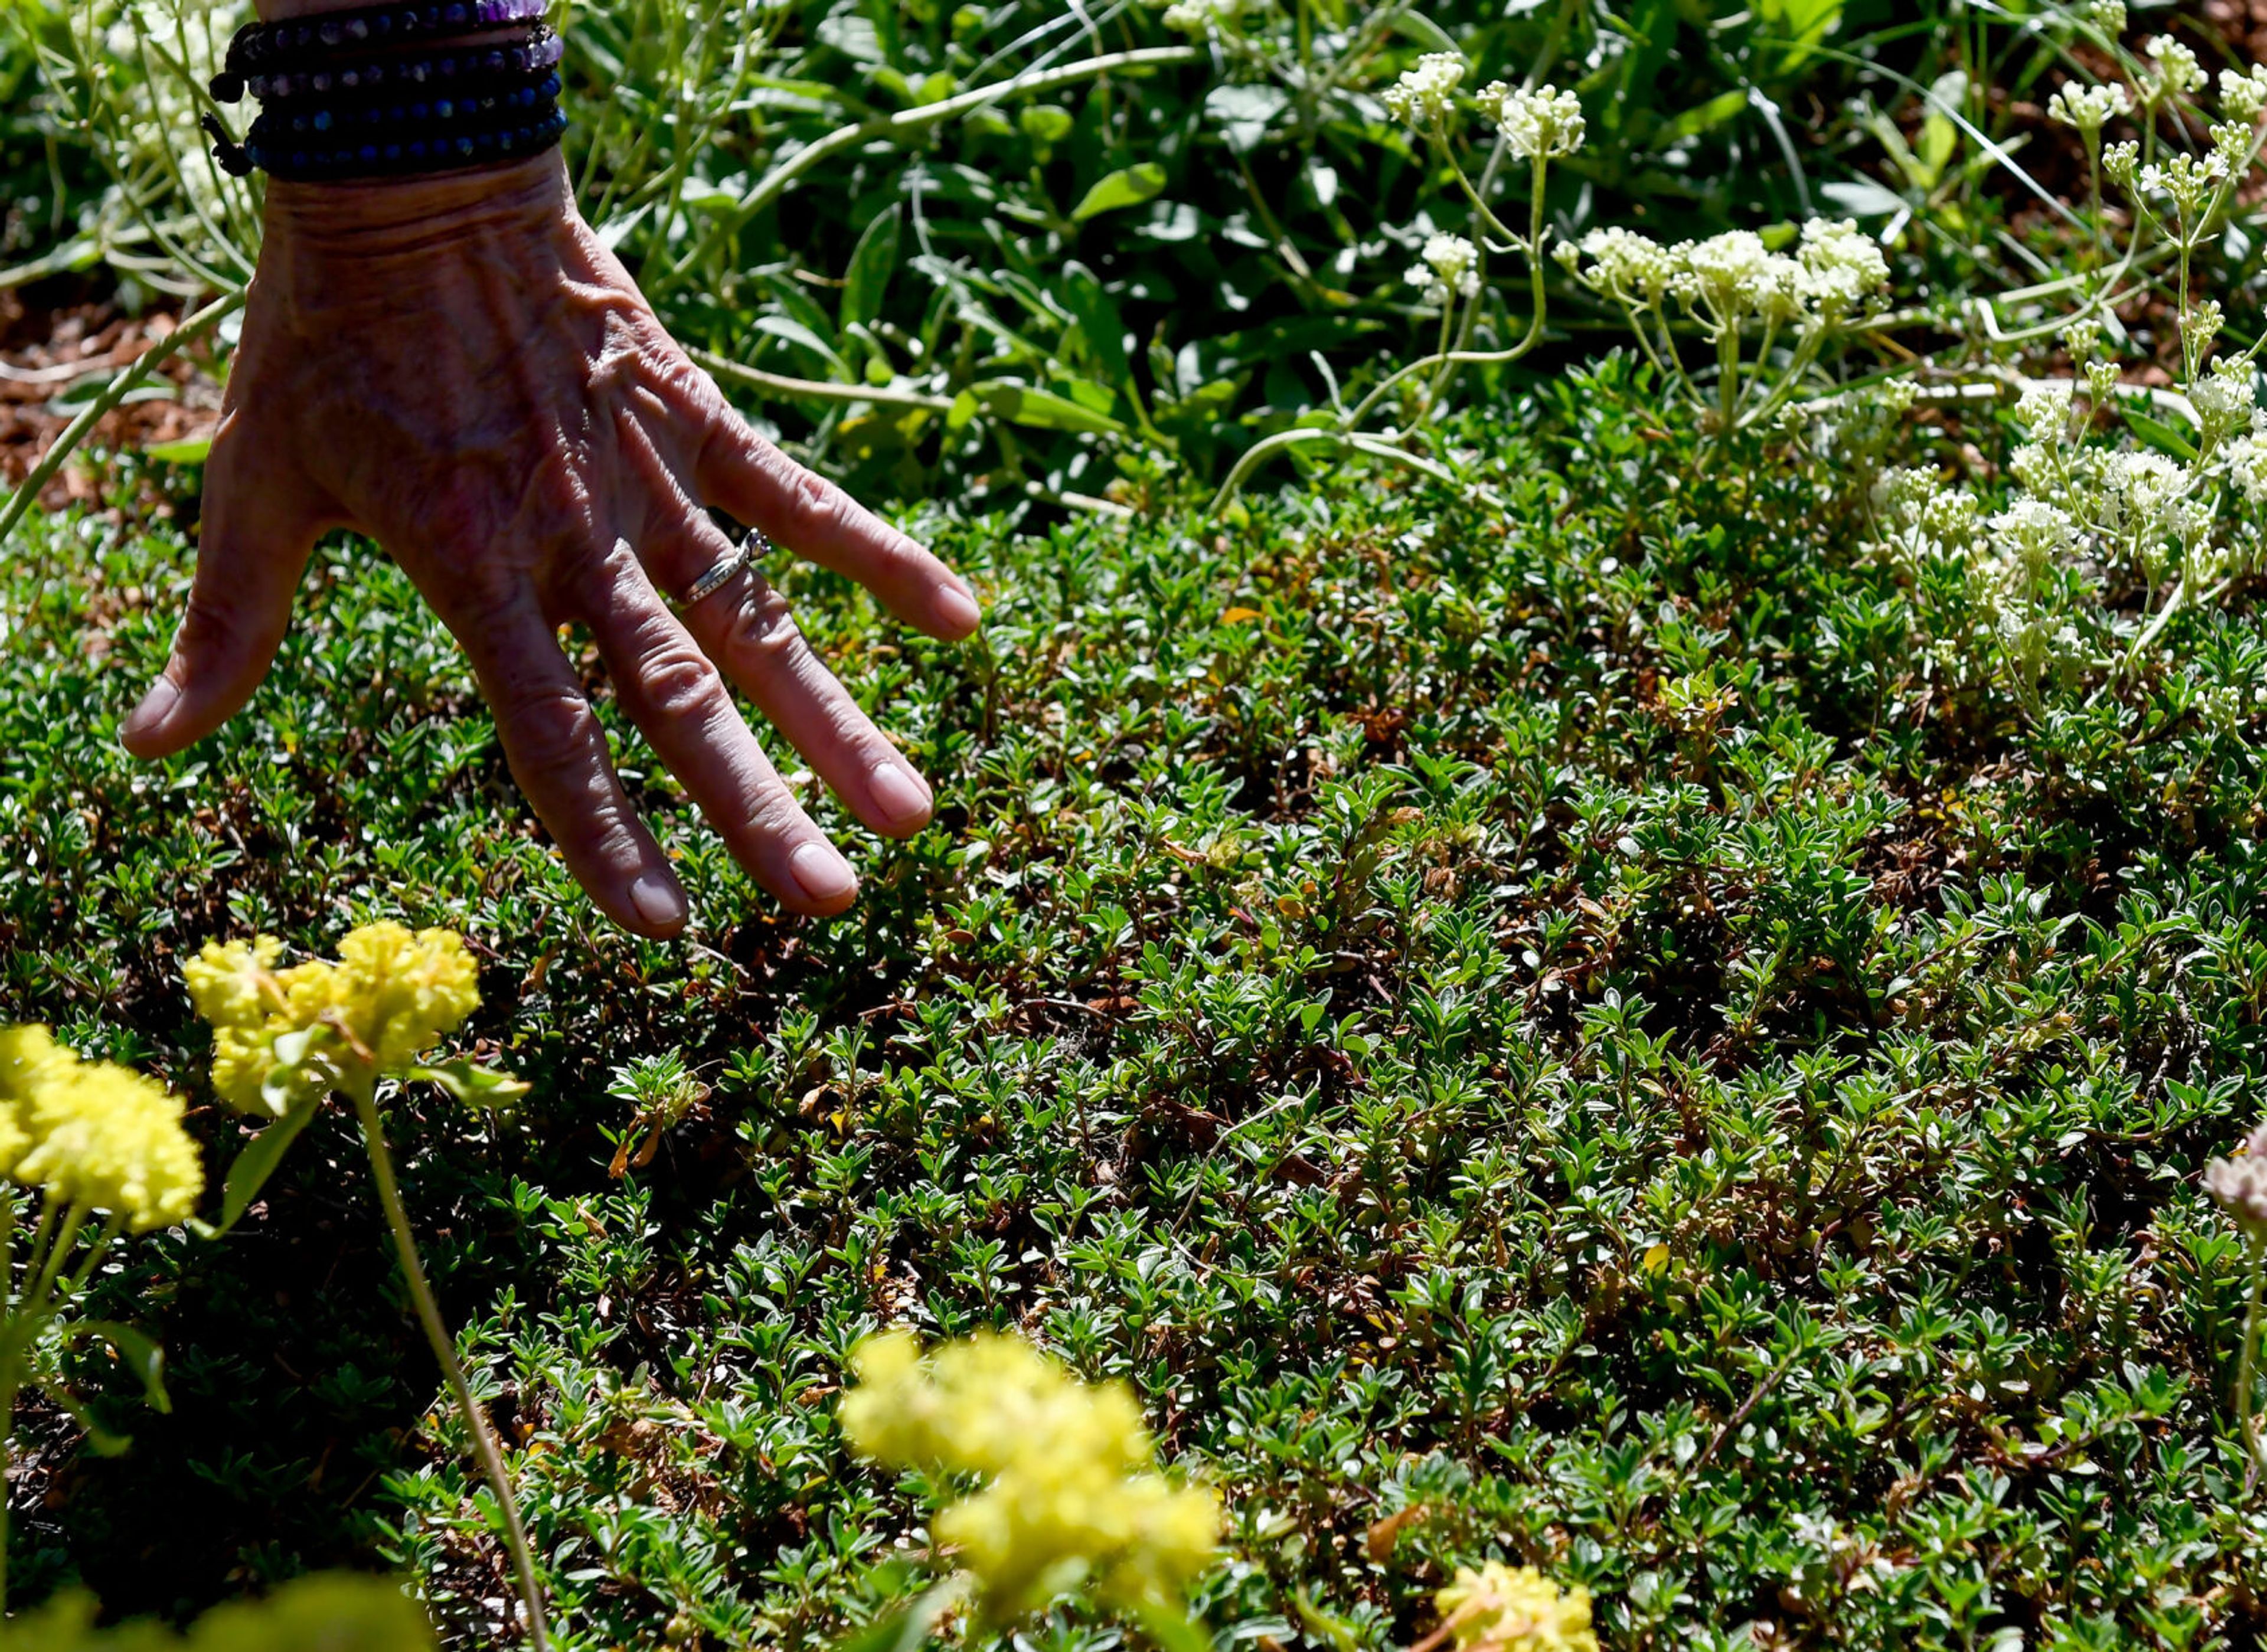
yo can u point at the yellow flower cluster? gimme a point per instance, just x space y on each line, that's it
92 1134
1498 1609
389 995
1074 1489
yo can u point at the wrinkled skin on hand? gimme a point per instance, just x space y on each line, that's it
456 368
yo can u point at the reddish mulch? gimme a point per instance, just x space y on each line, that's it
45 350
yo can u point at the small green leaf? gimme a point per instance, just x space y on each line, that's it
473 1085
904 1628
1128 186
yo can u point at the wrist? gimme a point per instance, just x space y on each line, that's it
328 242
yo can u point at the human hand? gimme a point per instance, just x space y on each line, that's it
456 368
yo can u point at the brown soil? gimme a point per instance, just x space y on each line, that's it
45 350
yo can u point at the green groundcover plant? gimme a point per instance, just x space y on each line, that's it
1619 1019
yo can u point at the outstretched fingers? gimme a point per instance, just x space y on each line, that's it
739 470
557 750
253 546
675 694
745 627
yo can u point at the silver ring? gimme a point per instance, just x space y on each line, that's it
719 573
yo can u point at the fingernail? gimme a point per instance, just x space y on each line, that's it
957 609
824 875
656 900
899 793
156 707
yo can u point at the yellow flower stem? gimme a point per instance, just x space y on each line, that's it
363 1088
35 1300
7 1387
28 1312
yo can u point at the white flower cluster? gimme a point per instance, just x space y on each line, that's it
2242 95
1538 125
2110 14
2247 466
2178 72
2090 108
2081 515
2184 180
1450 265
1425 95
1734 278
1202 18
2239 1185
1625 266
2223 399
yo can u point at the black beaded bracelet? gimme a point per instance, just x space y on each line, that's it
335 123
265 48
542 50
398 152
341 108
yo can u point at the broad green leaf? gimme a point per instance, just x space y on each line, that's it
1045 122
1714 113
187 450
1862 197
1041 409
252 1168
2160 436
1128 186
871 265
474 1085
1242 114
1099 323
139 1351
797 333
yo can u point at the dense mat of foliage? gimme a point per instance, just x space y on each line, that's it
1530 1032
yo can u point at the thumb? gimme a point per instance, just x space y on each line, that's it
253 545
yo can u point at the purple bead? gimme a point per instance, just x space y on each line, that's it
319 81
327 32
348 79
357 29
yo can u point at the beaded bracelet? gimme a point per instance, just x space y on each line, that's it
542 50
399 153
270 45
299 123
337 107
